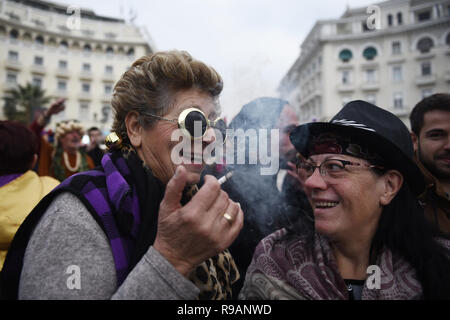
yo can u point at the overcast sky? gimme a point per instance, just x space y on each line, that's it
251 43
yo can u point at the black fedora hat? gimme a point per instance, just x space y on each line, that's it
380 130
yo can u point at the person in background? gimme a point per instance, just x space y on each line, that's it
65 156
20 187
137 227
93 149
430 125
359 174
268 199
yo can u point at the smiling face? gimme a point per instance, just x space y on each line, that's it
348 206
70 142
154 145
433 143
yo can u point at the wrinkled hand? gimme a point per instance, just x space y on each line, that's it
189 235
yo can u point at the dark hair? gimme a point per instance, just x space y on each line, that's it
404 229
18 144
92 129
438 101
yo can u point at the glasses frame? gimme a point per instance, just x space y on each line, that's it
181 122
324 173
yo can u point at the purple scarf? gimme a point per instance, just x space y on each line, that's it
286 269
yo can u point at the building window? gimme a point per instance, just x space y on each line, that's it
39 41
62 85
87 49
426 92
14 34
108 89
425 68
399 18
108 69
447 39
86 67
109 51
84 112
425 44
37 82
390 20
345 55
106 113
86 87
370 53
345 77
424 16
397 73
39 61
370 76
346 100
371 99
396 47
62 64
398 100
130 53
11 78
64 45
13 56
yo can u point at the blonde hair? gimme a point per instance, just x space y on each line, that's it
152 82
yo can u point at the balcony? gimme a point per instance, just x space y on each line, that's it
370 86
38 69
13 64
341 88
60 94
106 97
85 96
86 75
425 80
62 73
109 77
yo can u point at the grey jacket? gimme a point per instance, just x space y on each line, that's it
69 257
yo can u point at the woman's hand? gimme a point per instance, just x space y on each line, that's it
189 235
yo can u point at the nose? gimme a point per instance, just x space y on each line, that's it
210 136
315 181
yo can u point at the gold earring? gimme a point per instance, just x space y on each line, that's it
113 141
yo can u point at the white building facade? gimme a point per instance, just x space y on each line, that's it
69 52
392 54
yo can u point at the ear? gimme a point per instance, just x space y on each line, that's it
393 181
415 141
134 129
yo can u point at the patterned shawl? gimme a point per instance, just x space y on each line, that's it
287 268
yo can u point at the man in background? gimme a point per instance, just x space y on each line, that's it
430 125
93 149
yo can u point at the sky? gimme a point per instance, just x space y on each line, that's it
251 43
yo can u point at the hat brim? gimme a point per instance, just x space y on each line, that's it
391 154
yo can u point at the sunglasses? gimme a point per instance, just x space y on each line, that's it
192 118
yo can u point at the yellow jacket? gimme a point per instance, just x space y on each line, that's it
17 199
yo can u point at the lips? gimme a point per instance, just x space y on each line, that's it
324 204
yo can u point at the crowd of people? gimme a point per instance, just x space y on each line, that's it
356 193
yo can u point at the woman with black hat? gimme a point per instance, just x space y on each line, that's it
369 238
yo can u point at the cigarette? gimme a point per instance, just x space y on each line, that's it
225 178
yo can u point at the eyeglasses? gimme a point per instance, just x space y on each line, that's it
189 117
331 169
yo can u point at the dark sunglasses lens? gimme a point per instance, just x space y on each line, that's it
195 119
221 126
